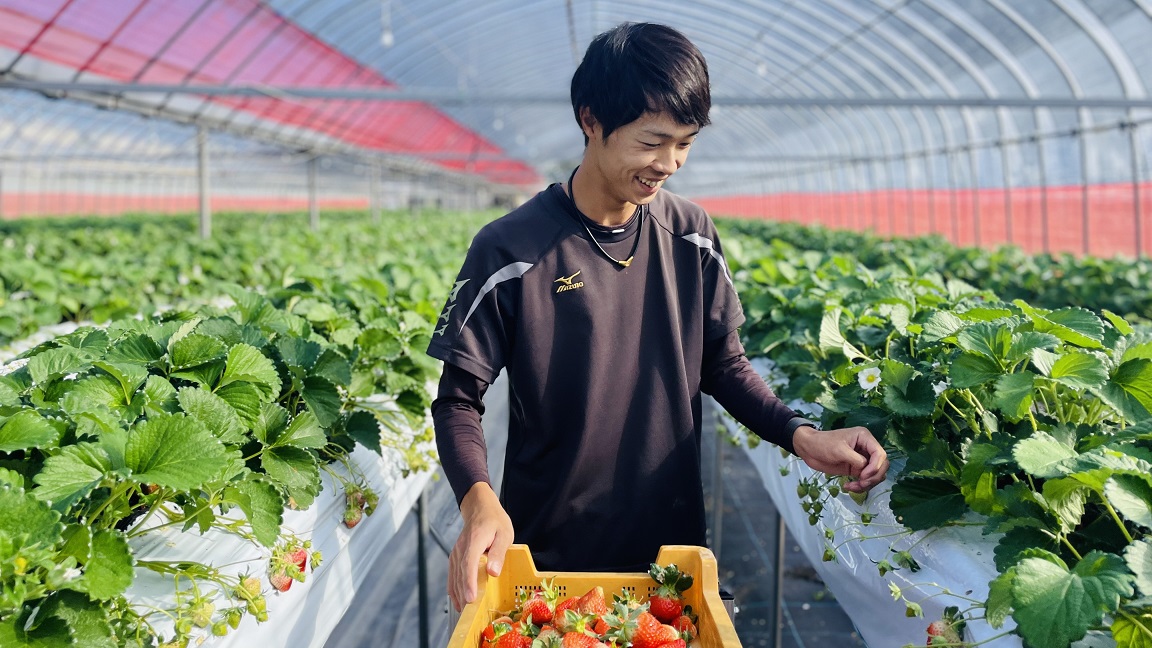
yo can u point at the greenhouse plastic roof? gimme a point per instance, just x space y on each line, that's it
481 87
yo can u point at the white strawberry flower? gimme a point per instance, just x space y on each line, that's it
71 574
869 378
940 387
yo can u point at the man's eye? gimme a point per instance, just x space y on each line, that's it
649 144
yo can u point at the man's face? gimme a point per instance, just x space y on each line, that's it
638 157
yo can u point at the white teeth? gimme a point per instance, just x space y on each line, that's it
650 183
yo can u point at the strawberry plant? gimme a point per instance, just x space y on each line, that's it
214 418
1037 420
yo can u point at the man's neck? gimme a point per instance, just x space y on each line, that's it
594 201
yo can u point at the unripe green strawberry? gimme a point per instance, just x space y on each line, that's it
220 628
201 613
233 618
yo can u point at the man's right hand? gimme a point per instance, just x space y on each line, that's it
487 530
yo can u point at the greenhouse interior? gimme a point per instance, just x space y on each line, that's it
232 232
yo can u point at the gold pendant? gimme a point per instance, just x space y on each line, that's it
626 262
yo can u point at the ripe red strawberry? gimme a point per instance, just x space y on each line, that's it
686 625
667 602
679 643
650 633
559 615
489 633
593 602
600 627
580 640
539 603
299 556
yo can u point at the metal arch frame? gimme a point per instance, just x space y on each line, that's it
927 134
1130 80
829 81
909 79
882 74
1085 117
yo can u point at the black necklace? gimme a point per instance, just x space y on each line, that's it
584 221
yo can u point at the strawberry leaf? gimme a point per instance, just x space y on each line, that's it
129 376
1131 495
111 569
1129 390
978 482
1020 540
1041 455
1133 629
1014 394
87 620
364 429
27 429
1055 606
986 339
941 325
1028 343
923 501
68 477
8 395
54 363
215 413
245 363
322 398
999 604
1080 370
297 352
295 471
135 348
243 397
334 367
23 516
262 505
50 632
270 423
1118 322
970 370
303 432
194 350
1065 499
161 396
1138 556
174 451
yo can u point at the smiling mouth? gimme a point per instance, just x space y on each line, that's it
649 183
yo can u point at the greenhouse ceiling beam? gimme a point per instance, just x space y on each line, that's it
454 98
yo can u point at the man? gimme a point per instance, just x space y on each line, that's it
608 301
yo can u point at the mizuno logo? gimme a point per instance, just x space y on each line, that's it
566 283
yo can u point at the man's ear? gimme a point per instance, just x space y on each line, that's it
588 123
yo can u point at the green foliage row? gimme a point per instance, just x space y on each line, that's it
1123 286
1034 422
178 413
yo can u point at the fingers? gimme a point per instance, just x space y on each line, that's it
868 462
497 551
469 565
454 578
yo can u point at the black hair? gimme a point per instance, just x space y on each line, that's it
636 68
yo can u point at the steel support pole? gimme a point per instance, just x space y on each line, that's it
1041 167
975 180
374 191
422 567
1004 162
1085 230
313 200
1138 209
778 585
717 490
204 187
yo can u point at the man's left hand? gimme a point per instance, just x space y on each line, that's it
849 451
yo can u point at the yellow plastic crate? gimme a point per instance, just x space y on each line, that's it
497 595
